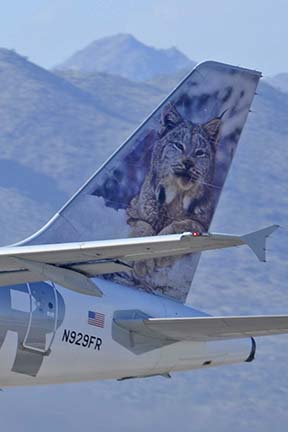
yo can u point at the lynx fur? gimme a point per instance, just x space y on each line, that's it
176 195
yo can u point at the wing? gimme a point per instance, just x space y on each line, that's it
73 264
206 328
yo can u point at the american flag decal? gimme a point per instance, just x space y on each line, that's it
96 319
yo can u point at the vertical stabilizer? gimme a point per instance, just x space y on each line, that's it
166 178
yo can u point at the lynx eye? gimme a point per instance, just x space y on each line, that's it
178 146
200 153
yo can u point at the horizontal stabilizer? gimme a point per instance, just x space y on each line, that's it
72 264
207 328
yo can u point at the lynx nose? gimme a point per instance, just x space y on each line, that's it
188 163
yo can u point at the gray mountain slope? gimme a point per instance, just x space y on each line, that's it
47 123
167 82
125 56
279 81
122 95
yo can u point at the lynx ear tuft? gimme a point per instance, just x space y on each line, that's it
170 119
213 127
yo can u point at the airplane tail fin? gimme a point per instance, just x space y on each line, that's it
166 178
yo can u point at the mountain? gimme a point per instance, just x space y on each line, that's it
125 56
48 122
125 98
168 82
45 124
279 81
56 129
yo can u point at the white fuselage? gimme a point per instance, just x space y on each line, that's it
79 351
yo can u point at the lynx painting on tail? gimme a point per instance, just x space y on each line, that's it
175 196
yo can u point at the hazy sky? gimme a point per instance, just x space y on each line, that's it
251 33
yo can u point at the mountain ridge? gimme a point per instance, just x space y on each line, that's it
125 56
279 81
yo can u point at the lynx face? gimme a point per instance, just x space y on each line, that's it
188 156
185 157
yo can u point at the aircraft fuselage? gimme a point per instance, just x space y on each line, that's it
51 335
